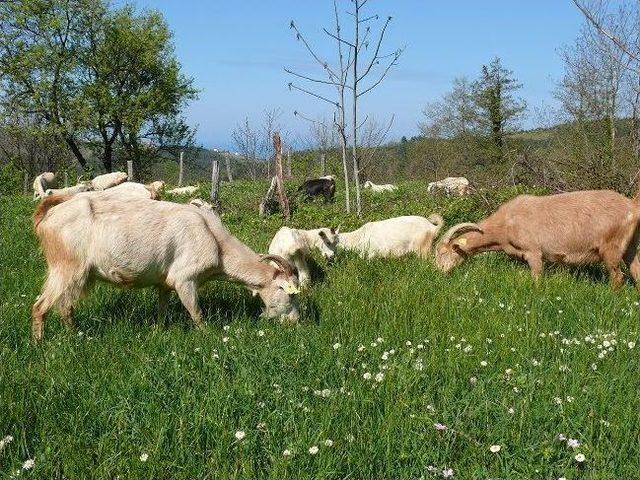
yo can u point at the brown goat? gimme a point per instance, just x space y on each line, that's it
571 228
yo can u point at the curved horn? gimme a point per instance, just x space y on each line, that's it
458 230
282 263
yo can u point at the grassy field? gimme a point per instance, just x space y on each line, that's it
396 371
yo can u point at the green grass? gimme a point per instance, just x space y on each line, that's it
88 404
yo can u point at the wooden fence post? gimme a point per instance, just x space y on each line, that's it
282 196
25 188
215 183
130 170
180 172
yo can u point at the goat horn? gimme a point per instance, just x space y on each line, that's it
460 229
282 263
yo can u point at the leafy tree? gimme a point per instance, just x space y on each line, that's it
499 110
97 77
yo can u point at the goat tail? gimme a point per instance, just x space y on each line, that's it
44 206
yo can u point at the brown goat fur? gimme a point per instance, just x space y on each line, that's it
572 228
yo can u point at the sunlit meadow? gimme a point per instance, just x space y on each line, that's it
396 371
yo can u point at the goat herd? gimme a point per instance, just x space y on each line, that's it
117 231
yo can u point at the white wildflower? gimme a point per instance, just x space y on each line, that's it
313 450
366 376
328 443
286 453
580 458
240 434
336 346
495 448
29 464
573 443
379 377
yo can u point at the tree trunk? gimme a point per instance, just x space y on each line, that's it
282 196
107 157
323 164
130 170
71 143
354 119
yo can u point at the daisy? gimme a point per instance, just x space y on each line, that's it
313 450
240 434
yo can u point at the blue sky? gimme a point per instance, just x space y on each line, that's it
236 52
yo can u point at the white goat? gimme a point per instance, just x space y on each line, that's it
387 187
81 187
139 243
151 191
393 237
43 182
450 186
108 180
295 245
189 190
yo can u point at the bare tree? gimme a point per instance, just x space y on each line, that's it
350 76
247 140
337 78
357 79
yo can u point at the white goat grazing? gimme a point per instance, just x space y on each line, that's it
139 243
387 187
295 245
108 180
450 186
189 190
81 187
43 182
393 237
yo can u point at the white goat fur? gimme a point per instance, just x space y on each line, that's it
108 180
450 186
189 190
387 187
296 245
81 187
42 183
139 243
131 190
393 237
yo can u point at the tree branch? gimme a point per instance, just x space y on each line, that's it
332 102
591 18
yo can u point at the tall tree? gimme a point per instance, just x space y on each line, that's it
498 107
95 76
41 46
